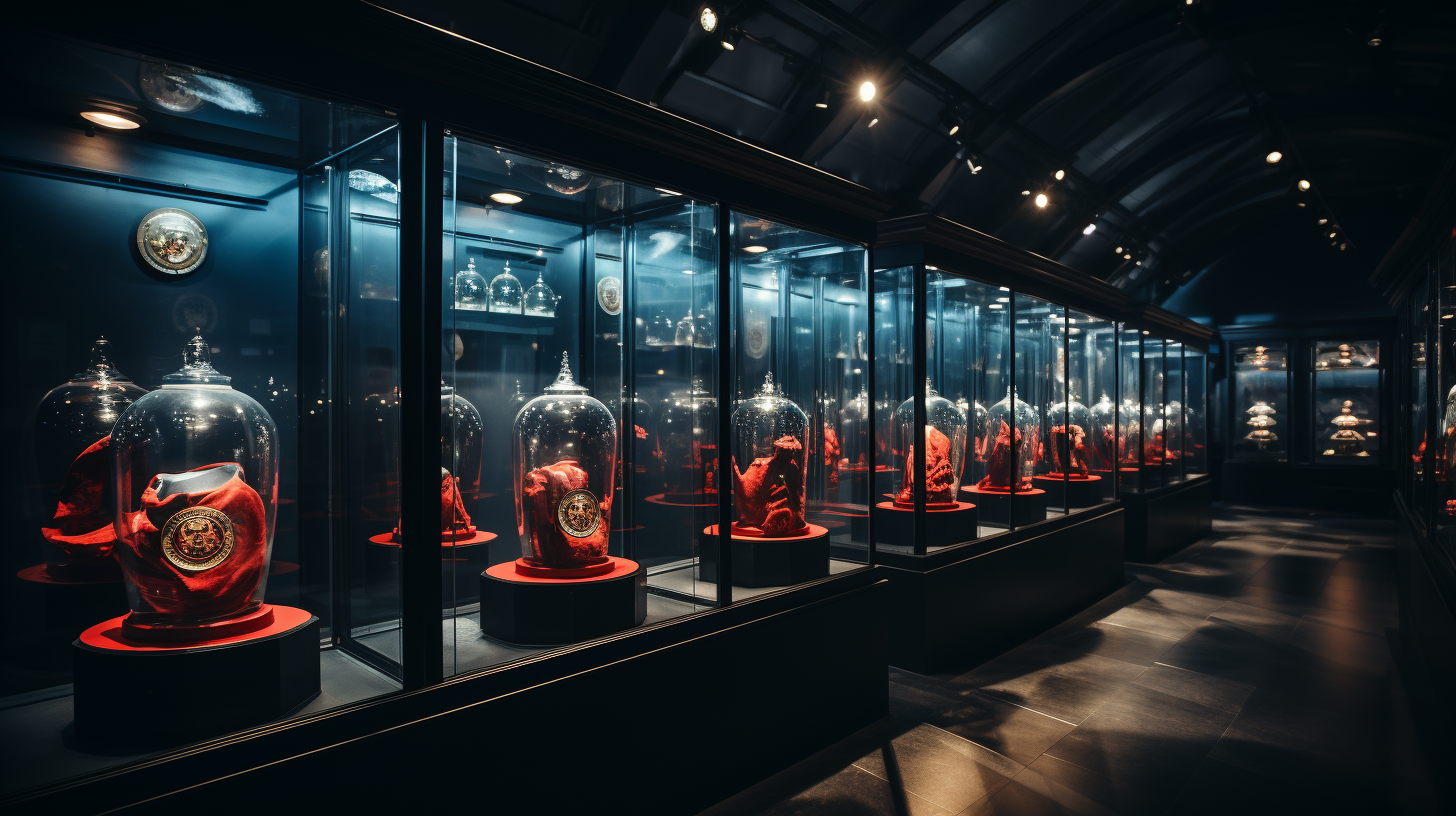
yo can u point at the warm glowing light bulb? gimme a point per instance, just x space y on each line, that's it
1059 175
755 249
1089 229
867 91
1273 157
1041 199
506 197
873 122
954 129
1303 185
110 120
708 19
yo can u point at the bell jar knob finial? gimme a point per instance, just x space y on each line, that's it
100 357
929 389
197 354
565 383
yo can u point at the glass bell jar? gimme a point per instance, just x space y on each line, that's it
1131 431
1154 449
471 290
769 432
565 461
1102 432
462 445
855 455
1067 449
945 445
540 301
688 434
506 294
73 466
1013 435
196 469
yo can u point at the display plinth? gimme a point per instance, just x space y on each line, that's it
759 561
532 610
204 688
944 524
996 506
1078 491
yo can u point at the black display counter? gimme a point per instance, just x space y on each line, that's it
1163 521
964 605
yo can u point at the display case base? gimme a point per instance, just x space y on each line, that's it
771 562
944 526
136 695
996 507
530 610
1079 491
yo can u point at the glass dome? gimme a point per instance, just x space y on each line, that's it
1066 450
471 289
506 295
1261 420
1011 423
688 433
73 465
1103 431
196 469
1132 431
769 432
854 434
462 444
1346 440
540 301
564 463
945 446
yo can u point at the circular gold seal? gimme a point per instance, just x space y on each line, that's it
578 513
198 538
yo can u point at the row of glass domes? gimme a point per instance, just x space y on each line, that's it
503 294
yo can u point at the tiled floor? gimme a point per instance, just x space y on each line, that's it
1247 674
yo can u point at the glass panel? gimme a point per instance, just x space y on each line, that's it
1091 414
581 315
1129 410
1444 274
1041 380
1173 413
170 488
1195 412
1346 426
798 301
1416 455
993 470
1261 397
1154 435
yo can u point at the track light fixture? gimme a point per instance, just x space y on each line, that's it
708 19
951 120
823 101
1089 229
1303 185
972 165
731 38
1274 157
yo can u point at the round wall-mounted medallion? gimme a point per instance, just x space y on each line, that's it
169 87
609 294
755 333
578 513
172 240
198 538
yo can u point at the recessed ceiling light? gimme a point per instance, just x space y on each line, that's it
113 120
1089 229
755 249
1026 192
1273 157
1139 263
1127 257
506 197
954 129
708 19
1059 175
1324 221
1041 199
873 122
866 91
1332 235
1303 184
1118 250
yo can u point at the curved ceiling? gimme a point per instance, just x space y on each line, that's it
1160 113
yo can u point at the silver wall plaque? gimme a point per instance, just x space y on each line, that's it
172 240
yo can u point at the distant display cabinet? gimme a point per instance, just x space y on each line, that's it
1162 435
1260 393
1345 400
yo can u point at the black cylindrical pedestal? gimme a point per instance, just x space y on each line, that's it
532 611
771 562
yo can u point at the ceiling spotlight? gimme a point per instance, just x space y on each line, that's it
823 101
1127 256
1332 235
873 122
867 91
116 120
755 249
950 120
731 38
1089 229
708 19
1118 250
1299 204
1041 199
1324 221
1303 184
1342 247
1374 42
954 129
506 197
1139 263
1026 192
1273 157
1059 175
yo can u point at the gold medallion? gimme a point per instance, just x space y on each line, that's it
578 513
198 538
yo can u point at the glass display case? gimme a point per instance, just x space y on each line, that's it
1173 412
1346 393
1163 416
1195 412
221 497
798 309
606 442
1081 436
1260 393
